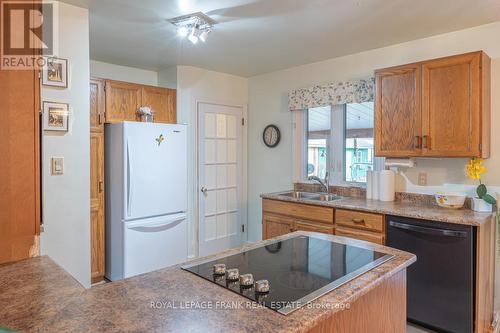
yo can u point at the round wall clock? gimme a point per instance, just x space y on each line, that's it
271 136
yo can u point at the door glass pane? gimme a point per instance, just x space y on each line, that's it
359 153
318 138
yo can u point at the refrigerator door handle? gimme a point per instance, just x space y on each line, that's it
155 227
129 180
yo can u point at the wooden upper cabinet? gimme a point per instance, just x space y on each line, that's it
452 106
97 106
398 113
122 101
435 108
162 101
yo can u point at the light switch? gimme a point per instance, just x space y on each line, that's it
57 165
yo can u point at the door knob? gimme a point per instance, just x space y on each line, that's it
204 190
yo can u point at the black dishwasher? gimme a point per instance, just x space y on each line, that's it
441 282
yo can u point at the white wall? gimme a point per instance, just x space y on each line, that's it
271 169
167 77
66 198
200 85
106 70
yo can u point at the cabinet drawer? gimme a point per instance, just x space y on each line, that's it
359 220
300 211
362 235
313 227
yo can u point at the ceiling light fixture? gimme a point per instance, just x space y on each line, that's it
194 26
182 31
193 36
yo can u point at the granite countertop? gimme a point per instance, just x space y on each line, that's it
153 302
406 209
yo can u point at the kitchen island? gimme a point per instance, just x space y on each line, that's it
174 300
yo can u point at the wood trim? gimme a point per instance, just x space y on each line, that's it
360 220
300 211
485 275
382 309
485 107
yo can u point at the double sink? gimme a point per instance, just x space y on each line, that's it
311 196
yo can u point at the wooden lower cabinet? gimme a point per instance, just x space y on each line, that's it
282 217
274 226
372 237
313 227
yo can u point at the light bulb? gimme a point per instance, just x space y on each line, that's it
193 36
182 31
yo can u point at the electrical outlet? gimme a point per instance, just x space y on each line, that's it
422 179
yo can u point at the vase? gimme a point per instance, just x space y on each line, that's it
479 205
147 118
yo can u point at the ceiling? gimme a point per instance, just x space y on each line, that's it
259 36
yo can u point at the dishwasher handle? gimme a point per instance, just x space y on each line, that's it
428 231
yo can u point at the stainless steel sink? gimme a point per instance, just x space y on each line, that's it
311 196
300 195
327 197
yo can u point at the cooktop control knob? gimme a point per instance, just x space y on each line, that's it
262 286
232 274
219 269
246 280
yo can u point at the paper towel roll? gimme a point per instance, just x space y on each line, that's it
369 184
387 184
375 184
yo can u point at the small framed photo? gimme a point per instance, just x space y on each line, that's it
55 72
55 116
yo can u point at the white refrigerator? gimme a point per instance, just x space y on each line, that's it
146 197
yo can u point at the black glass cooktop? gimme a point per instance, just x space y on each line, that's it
298 269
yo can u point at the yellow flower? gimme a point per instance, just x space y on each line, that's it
475 168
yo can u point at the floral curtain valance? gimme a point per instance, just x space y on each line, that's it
342 92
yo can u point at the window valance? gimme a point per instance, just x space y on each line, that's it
342 92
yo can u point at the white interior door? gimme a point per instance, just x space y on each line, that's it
220 177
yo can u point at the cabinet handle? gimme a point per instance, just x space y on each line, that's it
426 142
358 221
100 118
417 142
101 186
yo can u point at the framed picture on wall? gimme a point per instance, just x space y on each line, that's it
55 116
55 72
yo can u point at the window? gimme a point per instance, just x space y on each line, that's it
318 137
339 139
359 152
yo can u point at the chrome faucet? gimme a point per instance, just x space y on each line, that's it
324 182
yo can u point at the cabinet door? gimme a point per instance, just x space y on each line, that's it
314 227
398 127
122 101
274 226
372 237
163 103
97 205
97 105
451 106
